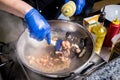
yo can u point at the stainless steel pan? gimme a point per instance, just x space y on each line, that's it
27 46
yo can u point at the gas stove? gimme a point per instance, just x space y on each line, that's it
11 67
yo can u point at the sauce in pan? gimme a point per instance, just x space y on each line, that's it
59 59
49 64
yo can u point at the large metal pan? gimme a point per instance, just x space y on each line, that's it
27 46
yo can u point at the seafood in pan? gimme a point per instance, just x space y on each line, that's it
60 58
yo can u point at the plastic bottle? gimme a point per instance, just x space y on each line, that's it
99 31
68 9
112 31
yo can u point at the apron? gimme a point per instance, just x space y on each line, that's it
50 9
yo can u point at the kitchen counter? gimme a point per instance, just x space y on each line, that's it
110 71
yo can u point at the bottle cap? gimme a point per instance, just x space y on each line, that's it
102 16
68 9
116 21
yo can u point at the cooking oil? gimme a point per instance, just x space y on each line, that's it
99 31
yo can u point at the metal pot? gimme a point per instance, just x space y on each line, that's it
27 46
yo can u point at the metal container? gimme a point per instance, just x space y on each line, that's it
27 46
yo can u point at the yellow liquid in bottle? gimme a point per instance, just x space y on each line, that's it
99 31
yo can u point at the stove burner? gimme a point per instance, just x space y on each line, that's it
9 67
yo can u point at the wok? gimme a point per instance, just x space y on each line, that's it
27 46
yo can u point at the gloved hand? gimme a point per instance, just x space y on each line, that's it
37 25
79 5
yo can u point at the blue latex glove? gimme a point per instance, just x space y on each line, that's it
79 5
58 44
38 26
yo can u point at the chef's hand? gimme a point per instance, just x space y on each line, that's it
37 25
79 5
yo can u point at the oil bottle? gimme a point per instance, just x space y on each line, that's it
100 32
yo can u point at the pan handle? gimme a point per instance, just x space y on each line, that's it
88 66
74 75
